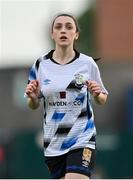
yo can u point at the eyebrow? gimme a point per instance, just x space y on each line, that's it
62 23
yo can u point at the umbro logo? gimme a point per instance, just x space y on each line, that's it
46 81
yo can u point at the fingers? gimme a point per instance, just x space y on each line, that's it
32 87
35 83
93 87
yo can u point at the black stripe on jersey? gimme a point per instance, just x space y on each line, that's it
46 144
50 54
73 85
83 114
37 64
63 130
44 116
93 139
89 113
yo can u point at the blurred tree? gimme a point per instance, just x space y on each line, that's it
26 159
87 41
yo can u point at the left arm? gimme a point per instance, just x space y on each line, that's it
95 90
101 98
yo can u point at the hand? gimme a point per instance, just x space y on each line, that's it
33 89
93 87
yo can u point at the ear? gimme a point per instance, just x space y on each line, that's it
77 35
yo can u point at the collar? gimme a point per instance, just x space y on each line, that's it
50 56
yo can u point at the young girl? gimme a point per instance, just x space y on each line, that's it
66 80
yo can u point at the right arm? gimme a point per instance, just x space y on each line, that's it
32 91
33 103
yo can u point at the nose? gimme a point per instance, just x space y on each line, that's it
63 30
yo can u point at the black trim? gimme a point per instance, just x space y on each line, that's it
50 56
77 54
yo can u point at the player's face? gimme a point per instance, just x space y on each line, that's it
64 31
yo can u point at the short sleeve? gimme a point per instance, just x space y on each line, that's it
33 73
95 76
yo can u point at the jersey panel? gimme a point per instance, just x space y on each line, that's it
69 119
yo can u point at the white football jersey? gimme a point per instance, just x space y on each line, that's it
68 114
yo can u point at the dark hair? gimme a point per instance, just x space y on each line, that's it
69 15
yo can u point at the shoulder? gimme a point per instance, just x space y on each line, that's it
42 59
45 56
88 59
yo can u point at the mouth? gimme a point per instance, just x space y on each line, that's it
63 37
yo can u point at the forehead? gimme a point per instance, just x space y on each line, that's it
64 19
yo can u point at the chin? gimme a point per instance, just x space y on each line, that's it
64 45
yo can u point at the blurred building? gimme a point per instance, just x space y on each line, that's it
115 29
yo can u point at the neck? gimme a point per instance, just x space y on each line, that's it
63 55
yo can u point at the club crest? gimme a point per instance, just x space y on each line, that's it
79 80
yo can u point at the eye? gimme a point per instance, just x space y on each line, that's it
57 26
69 27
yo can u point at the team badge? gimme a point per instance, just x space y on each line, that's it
86 157
79 78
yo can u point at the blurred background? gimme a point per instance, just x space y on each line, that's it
106 32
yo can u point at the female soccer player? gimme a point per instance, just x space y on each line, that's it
66 80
